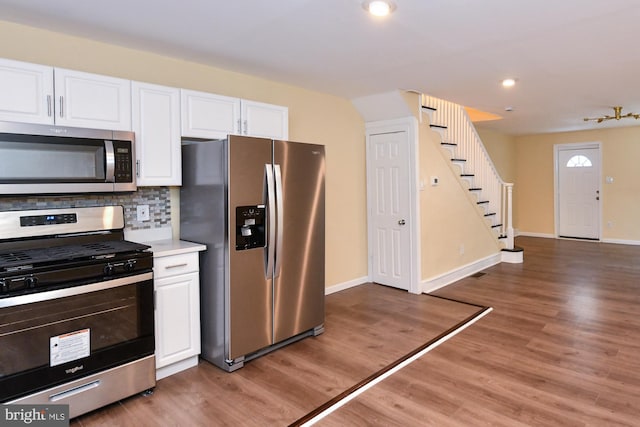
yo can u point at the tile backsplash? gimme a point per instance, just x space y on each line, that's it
157 198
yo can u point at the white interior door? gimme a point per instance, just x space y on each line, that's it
579 192
390 209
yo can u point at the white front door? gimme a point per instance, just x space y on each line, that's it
578 192
390 207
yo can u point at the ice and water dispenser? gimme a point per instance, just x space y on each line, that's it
250 227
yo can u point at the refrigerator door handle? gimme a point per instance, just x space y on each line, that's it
271 217
279 217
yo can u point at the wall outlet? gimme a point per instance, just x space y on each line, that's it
143 212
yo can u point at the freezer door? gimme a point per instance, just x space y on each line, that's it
249 292
299 267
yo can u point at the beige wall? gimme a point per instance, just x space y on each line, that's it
502 150
313 117
620 200
532 170
451 221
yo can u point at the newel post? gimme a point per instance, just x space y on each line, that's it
510 236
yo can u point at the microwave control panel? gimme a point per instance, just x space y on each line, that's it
124 161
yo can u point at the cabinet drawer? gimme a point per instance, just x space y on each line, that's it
175 264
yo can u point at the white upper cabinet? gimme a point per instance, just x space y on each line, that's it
205 115
265 120
26 92
156 123
91 100
33 93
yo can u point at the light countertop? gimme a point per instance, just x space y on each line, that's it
161 242
168 247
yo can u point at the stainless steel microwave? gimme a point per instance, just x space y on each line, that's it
43 159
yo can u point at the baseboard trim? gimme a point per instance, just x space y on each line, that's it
530 234
346 285
602 240
437 282
621 241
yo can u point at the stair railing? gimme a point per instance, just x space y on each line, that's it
468 145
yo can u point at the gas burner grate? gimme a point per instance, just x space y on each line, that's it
68 252
14 257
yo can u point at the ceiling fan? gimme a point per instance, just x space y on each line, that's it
617 115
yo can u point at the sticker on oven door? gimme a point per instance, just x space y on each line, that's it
68 347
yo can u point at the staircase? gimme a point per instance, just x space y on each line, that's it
461 141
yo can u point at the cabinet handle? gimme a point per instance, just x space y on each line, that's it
239 127
49 105
137 168
176 266
245 128
61 106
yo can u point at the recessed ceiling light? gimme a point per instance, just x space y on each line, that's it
508 82
379 7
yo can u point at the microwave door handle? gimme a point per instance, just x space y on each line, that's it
109 162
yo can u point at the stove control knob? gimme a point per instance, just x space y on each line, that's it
4 287
31 281
109 269
129 265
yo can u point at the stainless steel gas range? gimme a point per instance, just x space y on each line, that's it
76 309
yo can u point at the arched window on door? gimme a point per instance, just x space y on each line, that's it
579 161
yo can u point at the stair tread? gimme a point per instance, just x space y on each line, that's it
490 214
426 107
453 144
458 160
496 225
466 174
475 189
482 202
438 126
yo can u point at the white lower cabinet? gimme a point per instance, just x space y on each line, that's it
177 320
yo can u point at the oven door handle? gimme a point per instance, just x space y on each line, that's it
77 290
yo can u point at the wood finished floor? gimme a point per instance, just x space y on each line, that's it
366 328
561 348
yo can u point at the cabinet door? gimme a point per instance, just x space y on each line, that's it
205 115
92 101
265 120
177 318
26 92
156 122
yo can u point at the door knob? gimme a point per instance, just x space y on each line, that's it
401 222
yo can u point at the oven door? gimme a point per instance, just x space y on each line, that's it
54 337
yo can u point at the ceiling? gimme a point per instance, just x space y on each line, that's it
571 58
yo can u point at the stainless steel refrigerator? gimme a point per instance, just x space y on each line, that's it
258 205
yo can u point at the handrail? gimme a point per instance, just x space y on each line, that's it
468 145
